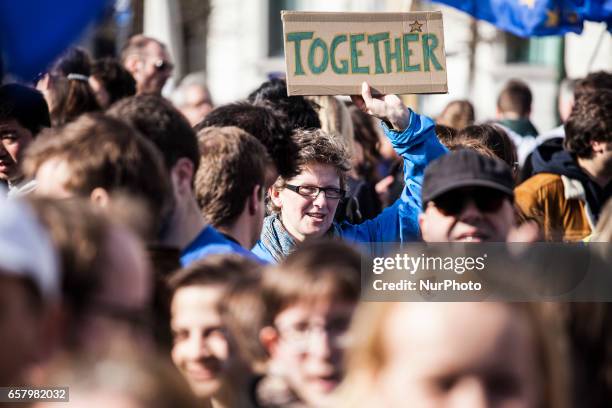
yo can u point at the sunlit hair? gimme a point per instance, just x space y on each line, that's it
367 356
126 373
494 138
457 114
315 146
317 270
242 310
214 270
137 44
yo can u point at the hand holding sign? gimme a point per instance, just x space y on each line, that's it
389 108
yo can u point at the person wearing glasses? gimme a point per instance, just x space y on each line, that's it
304 206
309 299
149 62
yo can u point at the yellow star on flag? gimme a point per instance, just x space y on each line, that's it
528 3
552 18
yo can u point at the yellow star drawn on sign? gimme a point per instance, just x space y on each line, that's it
528 3
552 18
416 27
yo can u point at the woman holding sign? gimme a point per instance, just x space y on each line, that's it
304 206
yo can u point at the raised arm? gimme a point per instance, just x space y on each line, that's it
413 137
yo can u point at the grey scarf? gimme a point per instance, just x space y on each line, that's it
278 241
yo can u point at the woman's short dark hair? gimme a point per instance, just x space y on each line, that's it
493 137
315 146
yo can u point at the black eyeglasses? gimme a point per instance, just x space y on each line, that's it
487 200
313 191
163 65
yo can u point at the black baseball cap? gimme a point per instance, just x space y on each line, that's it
466 168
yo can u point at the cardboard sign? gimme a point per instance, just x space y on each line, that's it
333 53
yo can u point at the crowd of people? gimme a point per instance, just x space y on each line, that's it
171 253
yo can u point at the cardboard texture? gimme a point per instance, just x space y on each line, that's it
333 53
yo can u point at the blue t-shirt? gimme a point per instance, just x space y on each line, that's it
210 241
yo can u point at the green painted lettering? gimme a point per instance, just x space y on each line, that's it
408 38
356 53
430 42
343 68
393 56
297 38
375 39
317 69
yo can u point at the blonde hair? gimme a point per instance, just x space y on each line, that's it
317 270
457 114
368 356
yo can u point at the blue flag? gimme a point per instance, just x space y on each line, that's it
34 32
527 18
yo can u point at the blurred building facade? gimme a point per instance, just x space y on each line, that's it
238 44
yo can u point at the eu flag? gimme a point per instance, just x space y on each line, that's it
33 32
527 18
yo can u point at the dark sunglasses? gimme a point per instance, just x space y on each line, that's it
487 200
163 65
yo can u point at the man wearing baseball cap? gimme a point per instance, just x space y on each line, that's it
29 291
467 197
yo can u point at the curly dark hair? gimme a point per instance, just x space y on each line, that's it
315 146
592 83
297 111
590 120
264 125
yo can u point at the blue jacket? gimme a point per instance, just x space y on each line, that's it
210 241
418 145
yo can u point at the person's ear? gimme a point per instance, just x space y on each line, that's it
99 197
275 196
269 338
255 200
597 146
422 225
181 176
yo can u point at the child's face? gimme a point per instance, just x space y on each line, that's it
311 343
458 355
201 349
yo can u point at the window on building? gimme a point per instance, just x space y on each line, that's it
546 51
275 33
